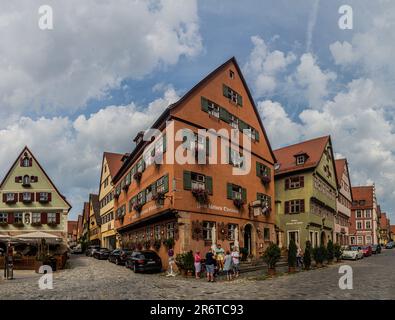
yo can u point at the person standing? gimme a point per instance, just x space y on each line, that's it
170 254
299 261
228 265
198 264
219 255
210 264
236 261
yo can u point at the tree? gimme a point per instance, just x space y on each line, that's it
272 255
338 251
292 251
307 256
330 251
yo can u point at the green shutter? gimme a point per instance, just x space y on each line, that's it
239 100
166 183
209 184
256 135
204 103
143 197
164 143
208 151
244 194
258 169
229 193
153 188
242 125
224 115
225 91
187 180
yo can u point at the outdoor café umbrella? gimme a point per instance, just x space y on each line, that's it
38 235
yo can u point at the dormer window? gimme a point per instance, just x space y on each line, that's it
300 159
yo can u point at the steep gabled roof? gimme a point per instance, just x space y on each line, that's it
314 149
86 211
71 226
341 165
94 200
166 114
41 168
363 193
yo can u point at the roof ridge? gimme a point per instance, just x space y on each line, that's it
303 142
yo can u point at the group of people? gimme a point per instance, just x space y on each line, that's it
218 261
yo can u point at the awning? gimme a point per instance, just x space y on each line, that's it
37 236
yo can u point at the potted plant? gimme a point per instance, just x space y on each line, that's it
137 176
18 224
201 195
239 203
307 256
3 224
180 262
159 198
292 252
266 179
157 244
138 207
337 252
271 256
185 263
36 224
330 252
319 255
168 243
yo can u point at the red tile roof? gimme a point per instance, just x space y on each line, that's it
114 161
393 229
313 148
363 193
340 165
384 221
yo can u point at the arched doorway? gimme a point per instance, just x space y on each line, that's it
248 238
323 238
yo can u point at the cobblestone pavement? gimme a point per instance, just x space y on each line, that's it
87 278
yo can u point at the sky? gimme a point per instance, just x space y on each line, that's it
108 69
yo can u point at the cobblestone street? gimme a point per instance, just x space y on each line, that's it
87 278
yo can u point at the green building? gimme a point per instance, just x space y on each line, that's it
306 191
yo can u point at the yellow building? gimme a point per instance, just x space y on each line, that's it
110 165
94 220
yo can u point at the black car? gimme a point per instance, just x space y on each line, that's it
376 248
119 256
101 254
90 250
146 260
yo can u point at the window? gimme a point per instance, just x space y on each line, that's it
208 230
295 182
234 121
140 197
43 196
160 185
359 225
198 181
359 213
362 202
51 217
368 224
26 180
266 234
352 240
368 239
157 232
231 231
26 162
236 158
148 193
26 196
300 160
368 213
36 217
213 109
294 206
10 197
18 217
359 240
232 95
355 203
170 230
3 217
106 182
231 74
236 192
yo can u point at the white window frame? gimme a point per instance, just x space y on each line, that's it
300 160
368 213
358 213
289 238
18 217
51 217
368 222
368 239
3 217
359 224
213 109
208 230
359 240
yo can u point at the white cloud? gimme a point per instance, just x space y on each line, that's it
71 151
263 66
94 46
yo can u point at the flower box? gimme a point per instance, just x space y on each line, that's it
239 203
52 224
3 224
266 179
138 207
137 176
159 198
36 224
18 224
201 195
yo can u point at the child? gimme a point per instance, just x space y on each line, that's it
228 265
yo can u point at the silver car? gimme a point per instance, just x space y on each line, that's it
352 253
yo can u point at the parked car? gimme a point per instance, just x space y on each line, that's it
367 251
101 254
90 250
376 248
146 260
77 249
119 256
390 245
352 253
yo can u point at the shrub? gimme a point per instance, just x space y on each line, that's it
319 254
307 255
292 251
337 251
185 261
330 251
272 255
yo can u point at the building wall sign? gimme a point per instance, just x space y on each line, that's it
216 207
